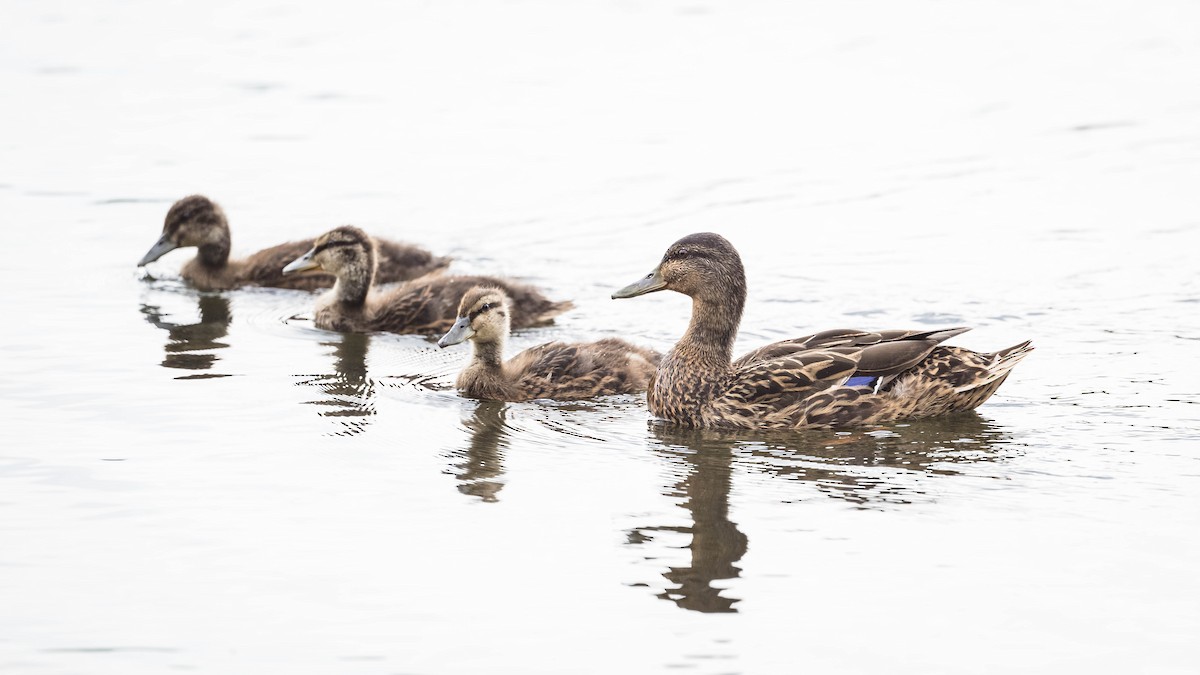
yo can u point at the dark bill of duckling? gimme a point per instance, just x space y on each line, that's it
160 248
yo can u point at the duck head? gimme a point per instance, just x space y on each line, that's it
483 317
344 252
191 221
699 265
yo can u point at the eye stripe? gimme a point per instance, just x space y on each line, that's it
487 307
333 244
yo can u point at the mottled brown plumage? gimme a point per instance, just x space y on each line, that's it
803 382
200 222
424 305
555 370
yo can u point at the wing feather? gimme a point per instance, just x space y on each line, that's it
785 380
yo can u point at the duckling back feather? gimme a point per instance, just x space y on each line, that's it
576 371
429 304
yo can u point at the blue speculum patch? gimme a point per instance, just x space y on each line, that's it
861 381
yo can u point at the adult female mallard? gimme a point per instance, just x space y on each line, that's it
425 305
198 221
833 378
555 370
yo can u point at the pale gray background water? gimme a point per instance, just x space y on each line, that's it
202 483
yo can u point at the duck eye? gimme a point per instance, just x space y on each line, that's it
486 307
682 253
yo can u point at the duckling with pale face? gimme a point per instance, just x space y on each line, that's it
424 305
197 221
555 370
837 377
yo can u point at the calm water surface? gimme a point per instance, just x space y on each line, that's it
204 482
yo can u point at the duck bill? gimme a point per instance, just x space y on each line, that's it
163 245
304 263
460 332
650 283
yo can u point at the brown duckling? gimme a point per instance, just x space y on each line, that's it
833 378
198 221
556 370
425 305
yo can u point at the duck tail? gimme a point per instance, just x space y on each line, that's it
999 364
943 334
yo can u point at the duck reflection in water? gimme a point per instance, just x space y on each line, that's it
875 468
479 466
870 468
189 345
716 543
349 394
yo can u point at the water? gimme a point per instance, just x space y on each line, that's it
206 483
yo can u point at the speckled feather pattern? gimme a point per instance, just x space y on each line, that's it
804 388
801 383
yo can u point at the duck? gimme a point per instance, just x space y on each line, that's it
834 378
198 221
424 305
554 370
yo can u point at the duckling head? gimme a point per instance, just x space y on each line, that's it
192 221
700 265
345 252
483 318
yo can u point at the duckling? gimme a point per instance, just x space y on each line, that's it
198 221
424 305
833 378
557 370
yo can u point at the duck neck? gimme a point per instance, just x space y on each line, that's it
487 356
353 285
708 342
484 376
215 254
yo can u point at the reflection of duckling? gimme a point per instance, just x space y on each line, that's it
424 305
198 221
481 471
833 378
349 391
189 342
553 370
